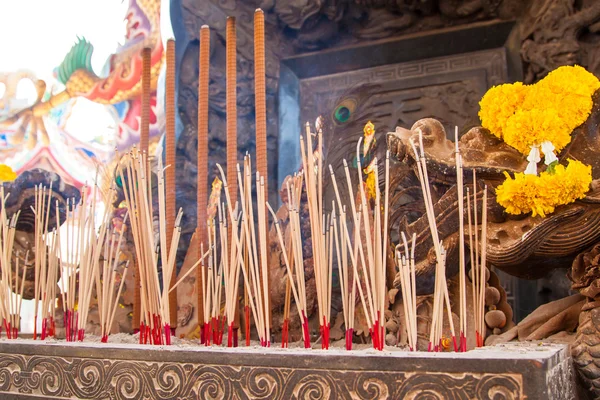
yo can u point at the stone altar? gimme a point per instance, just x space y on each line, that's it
87 370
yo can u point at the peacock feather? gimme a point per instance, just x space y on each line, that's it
79 57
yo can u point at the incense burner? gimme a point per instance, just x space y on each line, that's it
86 370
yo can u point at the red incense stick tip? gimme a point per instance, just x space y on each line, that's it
235 337
167 334
230 335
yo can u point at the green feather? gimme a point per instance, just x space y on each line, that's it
79 57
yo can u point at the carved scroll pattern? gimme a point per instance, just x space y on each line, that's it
94 378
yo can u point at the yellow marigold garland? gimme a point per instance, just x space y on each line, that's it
541 194
527 128
566 92
540 118
500 103
576 80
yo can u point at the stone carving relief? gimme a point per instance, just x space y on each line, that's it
317 24
563 32
89 378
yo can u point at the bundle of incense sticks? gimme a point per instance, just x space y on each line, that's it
292 255
373 265
49 290
231 267
69 270
212 278
90 250
11 295
440 293
231 255
254 272
212 288
84 248
108 298
41 211
312 165
348 295
406 267
461 245
478 255
154 316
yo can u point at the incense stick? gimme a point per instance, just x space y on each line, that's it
170 173
440 288
461 249
202 179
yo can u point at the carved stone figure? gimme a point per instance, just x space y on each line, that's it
523 246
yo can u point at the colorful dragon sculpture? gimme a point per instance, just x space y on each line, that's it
120 89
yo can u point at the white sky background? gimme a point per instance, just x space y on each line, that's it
37 34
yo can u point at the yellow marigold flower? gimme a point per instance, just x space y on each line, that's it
521 195
6 173
532 127
540 195
549 110
573 108
570 183
571 79
498 104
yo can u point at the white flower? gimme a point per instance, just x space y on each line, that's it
548 150
533 158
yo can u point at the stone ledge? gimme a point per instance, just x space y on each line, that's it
31 369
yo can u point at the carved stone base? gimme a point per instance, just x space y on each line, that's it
517 371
